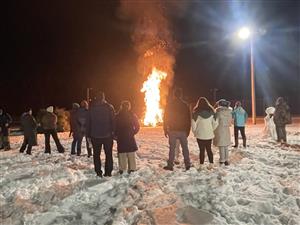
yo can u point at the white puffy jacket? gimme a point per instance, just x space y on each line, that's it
203 128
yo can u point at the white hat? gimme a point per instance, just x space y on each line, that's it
270 110
50 109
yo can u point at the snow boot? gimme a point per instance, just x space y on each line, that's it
168 168
201 167
226 163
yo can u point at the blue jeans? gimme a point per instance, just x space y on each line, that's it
76 143
182 137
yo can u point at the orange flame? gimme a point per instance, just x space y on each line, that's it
151 88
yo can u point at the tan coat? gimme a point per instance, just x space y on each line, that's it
222 133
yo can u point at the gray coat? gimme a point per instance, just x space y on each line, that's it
222 133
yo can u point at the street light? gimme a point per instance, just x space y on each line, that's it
245 33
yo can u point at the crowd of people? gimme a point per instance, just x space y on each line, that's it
100 126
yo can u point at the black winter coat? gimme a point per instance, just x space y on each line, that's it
101 120
177 117
82 118
127 125
5 122
74 124
29 126
282 115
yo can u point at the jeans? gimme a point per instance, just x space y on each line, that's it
53 133
182 137
205 145
281 133
236 135
223 151
76 143
97 146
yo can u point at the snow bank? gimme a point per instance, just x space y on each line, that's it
261 186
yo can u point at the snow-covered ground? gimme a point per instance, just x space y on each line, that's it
261 186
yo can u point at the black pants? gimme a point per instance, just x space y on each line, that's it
26 143
205 145
76 144
97 146
53 133
88 147
236 136
281 133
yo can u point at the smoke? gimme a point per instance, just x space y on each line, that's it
152 37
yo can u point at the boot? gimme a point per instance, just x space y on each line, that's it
236 143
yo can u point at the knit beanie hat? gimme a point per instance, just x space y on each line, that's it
50 109
224 103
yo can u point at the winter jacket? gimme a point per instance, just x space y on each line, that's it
49 121
74 124
240 116
177 117
204 124
82 117
222 133
282 115
5 122
29 126
101 120
127 125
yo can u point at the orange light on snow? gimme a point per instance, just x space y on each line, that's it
151 88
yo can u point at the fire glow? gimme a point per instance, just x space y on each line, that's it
151 88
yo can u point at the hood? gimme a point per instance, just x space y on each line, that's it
204 114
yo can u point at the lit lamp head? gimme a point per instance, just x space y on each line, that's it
244 33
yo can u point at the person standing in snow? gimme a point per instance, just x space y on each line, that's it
177 126
222 133
203 126
5 122
127 125
101 126
49 125
270 127
82 117
75 130
29 126
240 117
282 117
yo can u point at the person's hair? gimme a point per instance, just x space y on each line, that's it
178 93
99 95
203 104
238 103
84 104
125 106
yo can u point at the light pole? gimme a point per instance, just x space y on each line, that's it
245 33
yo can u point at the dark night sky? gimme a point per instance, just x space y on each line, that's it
54 50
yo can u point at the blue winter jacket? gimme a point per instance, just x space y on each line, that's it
240 117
